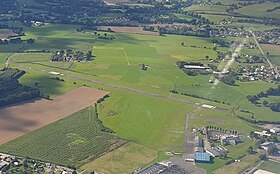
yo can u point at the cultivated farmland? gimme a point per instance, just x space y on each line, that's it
72 141
21 119
132 30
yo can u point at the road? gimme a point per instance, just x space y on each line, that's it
127 89
189 136
189 146
265 56
251 171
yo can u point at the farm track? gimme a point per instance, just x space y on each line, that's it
128 89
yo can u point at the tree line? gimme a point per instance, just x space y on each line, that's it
11 91
254 99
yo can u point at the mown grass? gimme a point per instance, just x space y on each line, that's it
238 167
146 120
122 160
71 141
208 117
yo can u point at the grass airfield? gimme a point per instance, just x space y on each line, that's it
154 123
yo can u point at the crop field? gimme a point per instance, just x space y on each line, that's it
207 9
6 33
122 160
274 53
20 119
72 141
53 38
216 18
260 10
132 30
270 166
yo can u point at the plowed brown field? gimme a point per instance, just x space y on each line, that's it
21 119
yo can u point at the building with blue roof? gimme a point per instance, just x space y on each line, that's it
202 157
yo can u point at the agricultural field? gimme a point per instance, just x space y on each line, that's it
20 119
274 53
74 140
131 30
5 33
122 160
207 9
260 10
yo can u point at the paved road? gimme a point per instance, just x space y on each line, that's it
189 137
190 167
265 56
127 88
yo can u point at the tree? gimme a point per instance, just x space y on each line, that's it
265 103
89 55
30 41
275 139
271 150
206 57
36 84
74 172
262 157
182 43
250 150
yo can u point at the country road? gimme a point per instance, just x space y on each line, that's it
127 89
265 56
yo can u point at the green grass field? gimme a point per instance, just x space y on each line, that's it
74 141
238 167
207 117
146 120
122 160
270 166
259 10
274 53
155 123
207 8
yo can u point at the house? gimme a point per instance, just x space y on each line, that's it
230 140
262 134
267 145
198 149
3 164
275 130
214 152
198 142
202 157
